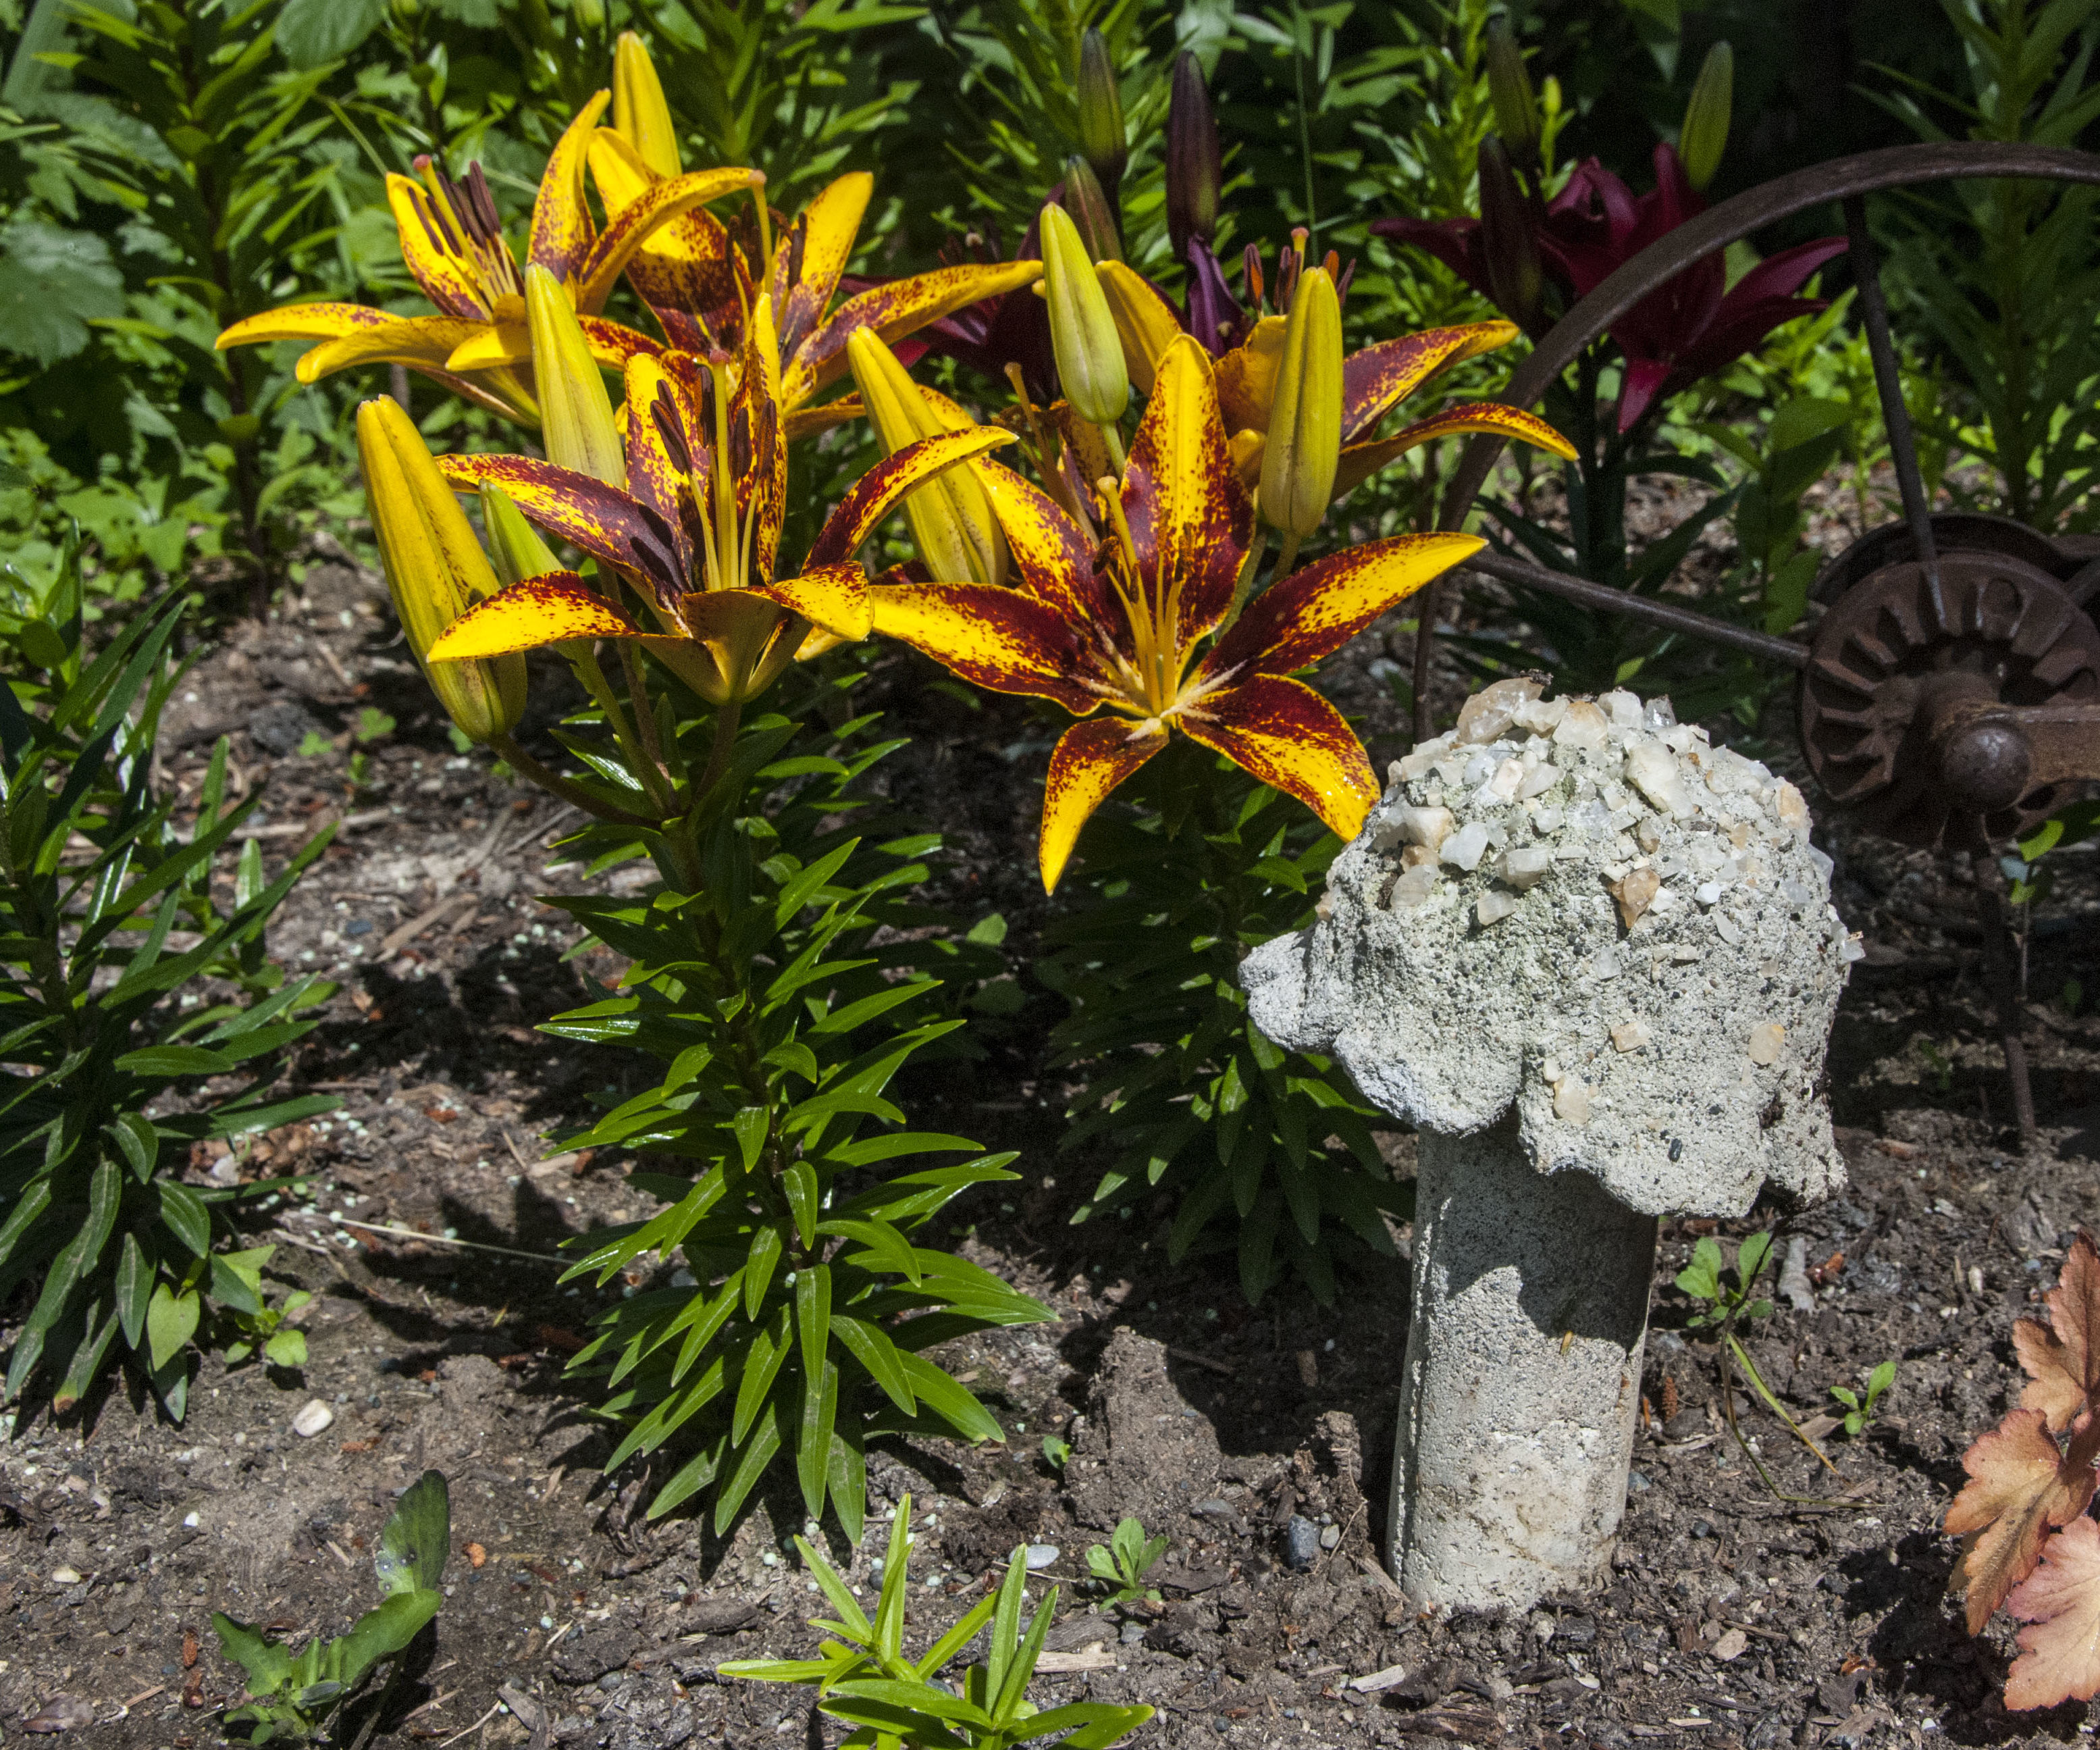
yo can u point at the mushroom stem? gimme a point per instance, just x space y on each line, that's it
1522 1381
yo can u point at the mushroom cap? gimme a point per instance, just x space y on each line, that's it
1582 910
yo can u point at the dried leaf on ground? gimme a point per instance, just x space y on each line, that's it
2019 1484
2063 1358
2060 1651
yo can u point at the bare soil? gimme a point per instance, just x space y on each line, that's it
1807 1610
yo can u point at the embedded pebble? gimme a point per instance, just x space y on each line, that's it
1792 807
1041 1556
1301 1544
1414 886
1465 848
1571 1100
1635 891
1765 1043
1486 716
1581 725
1524 869
1493 908
314 1417
1630 1036
1652 770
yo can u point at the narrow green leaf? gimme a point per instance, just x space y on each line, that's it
764 1444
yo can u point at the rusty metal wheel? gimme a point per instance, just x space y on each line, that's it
1950 694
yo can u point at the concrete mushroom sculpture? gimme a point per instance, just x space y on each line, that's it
1592 958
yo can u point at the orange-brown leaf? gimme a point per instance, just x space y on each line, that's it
2019 1484
2060 1651
2062 1359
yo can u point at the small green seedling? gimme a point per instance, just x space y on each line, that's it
1704 1279
894 1704
248 1322
1121 1567
289 1699
1858 1416
1056 1452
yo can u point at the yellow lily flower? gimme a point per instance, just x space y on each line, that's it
451 238
699 280
695 530
1374 381
1123 627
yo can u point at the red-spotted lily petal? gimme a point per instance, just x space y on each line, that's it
1313 612
996 638
1292 740
895 309
601 520
834 598
1246 377
509 341
1145 322
456 251
807 421
1380 376
563 229
641 218
882 488
530 615
424 342
1190 518
683 271
755 432
812 254
319 321
1362 461
1092 759
1053 557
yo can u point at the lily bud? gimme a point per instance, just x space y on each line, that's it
1515 281
575 414
514 545
952 519
1304 447
435 569
1509 88
590 15
1082 332
1706 133
1090 211
640 115
1195 164
1102 135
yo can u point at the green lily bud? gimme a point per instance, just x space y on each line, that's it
1089 208
1509 88
1304 446
1103 137
575 414
1082 332
952 519
590 15
435 569
1515 280
514 545
640 115
1704 136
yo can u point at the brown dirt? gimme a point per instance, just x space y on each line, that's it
1214 1423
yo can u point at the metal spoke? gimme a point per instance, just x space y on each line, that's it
1888 384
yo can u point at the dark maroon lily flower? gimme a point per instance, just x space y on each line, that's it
1687 329
987 336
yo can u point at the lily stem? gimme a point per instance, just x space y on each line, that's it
585 661
555 784
1287 556
645 722
1248 567
1114 439
728 716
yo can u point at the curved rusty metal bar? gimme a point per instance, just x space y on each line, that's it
1842 179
